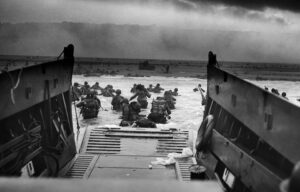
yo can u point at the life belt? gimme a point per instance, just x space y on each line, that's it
205 133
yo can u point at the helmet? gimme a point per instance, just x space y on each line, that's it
125 101
118 91
76 84
175 89
140 87
92 92
283 94
85 82
167 93
135 106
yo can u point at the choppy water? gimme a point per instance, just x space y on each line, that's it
290 87
189 111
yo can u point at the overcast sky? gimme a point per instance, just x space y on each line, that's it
274 17
218 14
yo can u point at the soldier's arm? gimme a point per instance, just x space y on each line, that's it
113 101
148 94
204 101
80 104
168 110
99 102
126 113
134 96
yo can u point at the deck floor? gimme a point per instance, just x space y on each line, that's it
127 153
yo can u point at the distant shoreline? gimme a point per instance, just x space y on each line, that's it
155 67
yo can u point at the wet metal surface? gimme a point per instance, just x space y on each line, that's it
131 167
127 153
183 166
81 166
134 141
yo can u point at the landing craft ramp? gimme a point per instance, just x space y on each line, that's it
37 141
127 153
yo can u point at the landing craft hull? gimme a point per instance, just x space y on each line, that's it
255 139
35 117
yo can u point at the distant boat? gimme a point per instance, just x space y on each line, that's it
92 74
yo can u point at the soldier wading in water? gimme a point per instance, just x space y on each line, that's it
89 106
117 101
160 111
141 94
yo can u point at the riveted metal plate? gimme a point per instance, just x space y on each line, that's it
134 141
80 167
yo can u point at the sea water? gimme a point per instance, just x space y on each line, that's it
189 111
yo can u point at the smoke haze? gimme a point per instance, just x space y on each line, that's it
170 29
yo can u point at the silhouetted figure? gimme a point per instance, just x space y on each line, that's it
117 101
141 94
133 89
167 68
200 88
283 94
175 92
85 89
108 91
157 88
150 88
89 106
160 111
96 86
76 92
275 91
130 112
170 99
204 98
144 122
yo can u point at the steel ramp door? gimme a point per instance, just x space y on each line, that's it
126 153
131 167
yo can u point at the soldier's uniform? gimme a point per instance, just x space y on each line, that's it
159 111
89 106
